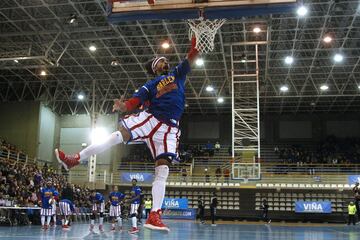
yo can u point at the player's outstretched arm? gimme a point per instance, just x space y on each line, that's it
126 106
193 52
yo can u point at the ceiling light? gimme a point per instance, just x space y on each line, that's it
338 57
114 63
358 86
199 62
43 73
72 18
17 61
136 90
243 58
80 96
92 48
256 30
165 45
327 39
186 105
302 11
289 60
284 88
324 87
220 100
209 88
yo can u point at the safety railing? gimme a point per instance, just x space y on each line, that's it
16 156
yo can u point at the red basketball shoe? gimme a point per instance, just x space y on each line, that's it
68 161
134 230
154 222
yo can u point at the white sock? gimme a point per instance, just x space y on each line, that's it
119 221
42 220
134 221
113 139
158 186
54 218
62 221
113 225
101 221
92 222
48 218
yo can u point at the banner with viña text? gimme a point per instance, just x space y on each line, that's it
127 177
352 179
313 207
175 203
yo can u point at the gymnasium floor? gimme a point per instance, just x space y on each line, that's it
189 230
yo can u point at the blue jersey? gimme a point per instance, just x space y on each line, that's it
70 203
46 194
116 197
99 198
136 192
166 94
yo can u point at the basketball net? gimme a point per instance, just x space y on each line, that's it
205 31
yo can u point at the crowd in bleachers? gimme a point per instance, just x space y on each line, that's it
331 151
141 153
21 183
6 147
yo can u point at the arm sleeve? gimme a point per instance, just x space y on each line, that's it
183 68
143 94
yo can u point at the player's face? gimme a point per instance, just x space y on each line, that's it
133 183
163 66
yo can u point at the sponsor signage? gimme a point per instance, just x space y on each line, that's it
175 203
179 214
139 176
313 207
352 179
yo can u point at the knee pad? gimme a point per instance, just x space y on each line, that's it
101 214
133 215
92 216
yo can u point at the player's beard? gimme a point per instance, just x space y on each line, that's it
165 69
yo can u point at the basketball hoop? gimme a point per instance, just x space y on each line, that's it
205 31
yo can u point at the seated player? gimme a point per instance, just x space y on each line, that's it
98 206
115 198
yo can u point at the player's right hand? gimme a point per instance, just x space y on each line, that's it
119 105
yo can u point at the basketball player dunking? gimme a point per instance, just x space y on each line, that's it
158 126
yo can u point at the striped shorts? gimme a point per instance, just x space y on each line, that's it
161 139
134 208
65 208
46 212
98 207
115 211
53 207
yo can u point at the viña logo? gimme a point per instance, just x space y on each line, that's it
313 207
137 176
171 203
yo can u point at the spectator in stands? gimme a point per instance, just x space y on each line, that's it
207 176
213 206
184 174
210 148
218 174
201 210
217 146
351 213
226 174
265 210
